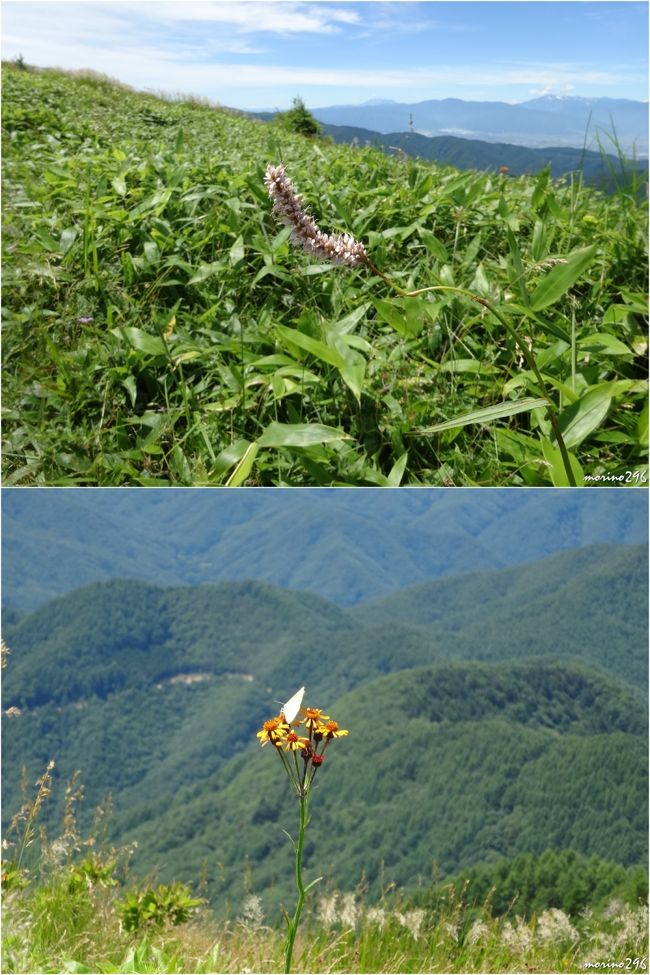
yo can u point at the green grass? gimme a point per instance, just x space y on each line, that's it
160 329
59 924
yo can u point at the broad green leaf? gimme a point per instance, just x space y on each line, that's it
272 269
604 342
151 344
405 316
294 337
392 315
435 247
299 435
158 199
556 468
151 252
488 414
244 467
237 251
345 325
206 271
585 415
397 470
68 237
466 365
558 281
119 185
353 375
46 239
310 269
130 386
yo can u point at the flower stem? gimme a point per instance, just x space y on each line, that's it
526 352
292 923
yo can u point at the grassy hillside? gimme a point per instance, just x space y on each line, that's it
159 328
346 546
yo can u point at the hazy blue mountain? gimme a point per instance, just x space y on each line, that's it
347 546
538 123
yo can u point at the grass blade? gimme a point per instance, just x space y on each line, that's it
488 414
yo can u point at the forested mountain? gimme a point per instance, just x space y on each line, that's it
359 545
156 693
589 603
598 167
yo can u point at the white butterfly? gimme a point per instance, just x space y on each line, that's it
291 708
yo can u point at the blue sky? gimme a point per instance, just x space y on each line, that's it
249 54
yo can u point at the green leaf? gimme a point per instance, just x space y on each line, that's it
119 185
205 271
130 386
237 251
325 353
397 470
585 415
68 237
558 281
604 342
350 364
555 464
488 414
299 435
244 467
142 341
392 315
407 316
466 365
230 455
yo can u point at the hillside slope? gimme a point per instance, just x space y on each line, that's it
590 603
444 768
598 168
156 694
161 329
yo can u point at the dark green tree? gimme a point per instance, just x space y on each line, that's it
299 119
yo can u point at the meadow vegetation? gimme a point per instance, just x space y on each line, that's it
161 329
76 909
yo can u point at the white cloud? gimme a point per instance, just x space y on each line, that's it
241 16
213 48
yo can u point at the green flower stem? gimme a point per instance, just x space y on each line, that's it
292 924
526 352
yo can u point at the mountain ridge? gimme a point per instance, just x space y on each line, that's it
569 122
53 542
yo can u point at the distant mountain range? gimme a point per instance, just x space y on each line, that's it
549 121
347 546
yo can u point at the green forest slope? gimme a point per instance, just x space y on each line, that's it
156 694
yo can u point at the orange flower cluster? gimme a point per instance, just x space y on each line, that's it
320 730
